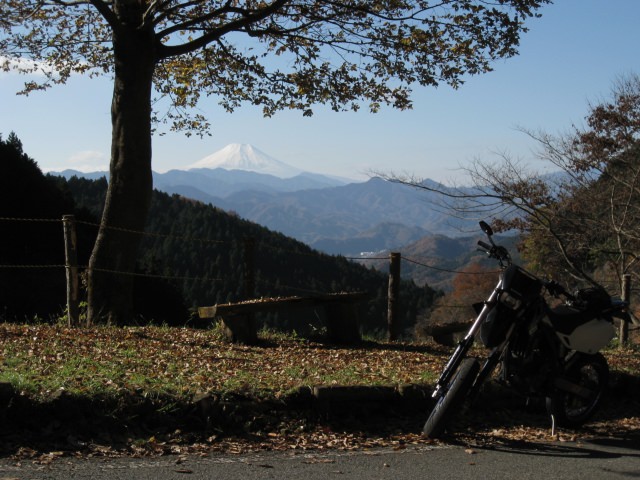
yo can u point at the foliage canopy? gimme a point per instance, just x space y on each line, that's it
299 53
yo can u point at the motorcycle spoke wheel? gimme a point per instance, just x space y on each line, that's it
580 392
450 401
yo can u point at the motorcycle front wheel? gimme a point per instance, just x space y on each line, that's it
580 391
452 398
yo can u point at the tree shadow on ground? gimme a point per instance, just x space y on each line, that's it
131 423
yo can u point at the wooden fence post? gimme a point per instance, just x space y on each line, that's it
71 267
249 267
394 292
626 296
244 325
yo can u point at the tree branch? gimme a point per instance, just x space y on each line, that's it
106 12
249 18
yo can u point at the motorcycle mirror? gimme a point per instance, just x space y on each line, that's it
486 228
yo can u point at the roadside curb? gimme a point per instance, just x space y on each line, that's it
333 399
325 399
341 399
409 396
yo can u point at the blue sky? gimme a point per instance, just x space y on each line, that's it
570 57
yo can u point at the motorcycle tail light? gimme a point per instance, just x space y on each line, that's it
509 301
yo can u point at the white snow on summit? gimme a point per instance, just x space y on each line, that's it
238 156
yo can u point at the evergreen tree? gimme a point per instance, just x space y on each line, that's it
32 277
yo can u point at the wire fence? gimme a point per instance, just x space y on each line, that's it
187 238
203 240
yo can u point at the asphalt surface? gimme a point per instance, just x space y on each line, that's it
604 458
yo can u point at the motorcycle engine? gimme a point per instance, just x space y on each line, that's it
528 363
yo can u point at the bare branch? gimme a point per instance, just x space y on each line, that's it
248 17
105 11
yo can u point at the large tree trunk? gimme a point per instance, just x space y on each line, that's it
113 259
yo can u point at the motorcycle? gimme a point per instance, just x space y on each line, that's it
545 353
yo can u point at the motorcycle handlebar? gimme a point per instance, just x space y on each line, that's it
495 251
555 289
484 245
502 254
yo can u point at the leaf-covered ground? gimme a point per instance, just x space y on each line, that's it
180 362
135 391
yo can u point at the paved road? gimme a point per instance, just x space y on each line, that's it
596 459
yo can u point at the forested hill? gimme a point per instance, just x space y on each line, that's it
192 255
200 249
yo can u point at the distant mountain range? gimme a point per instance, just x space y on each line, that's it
325 212
347 212
235 168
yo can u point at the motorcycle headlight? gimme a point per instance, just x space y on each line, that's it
510 301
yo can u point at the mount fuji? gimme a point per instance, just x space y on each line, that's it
238 168
245 157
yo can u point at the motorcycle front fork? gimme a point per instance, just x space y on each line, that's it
452 365
485 372
454 362
465 344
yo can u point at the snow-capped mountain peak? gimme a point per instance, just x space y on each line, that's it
238 156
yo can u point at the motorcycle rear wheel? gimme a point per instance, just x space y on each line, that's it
590 373
452 398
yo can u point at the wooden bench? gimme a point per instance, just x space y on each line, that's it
341 318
